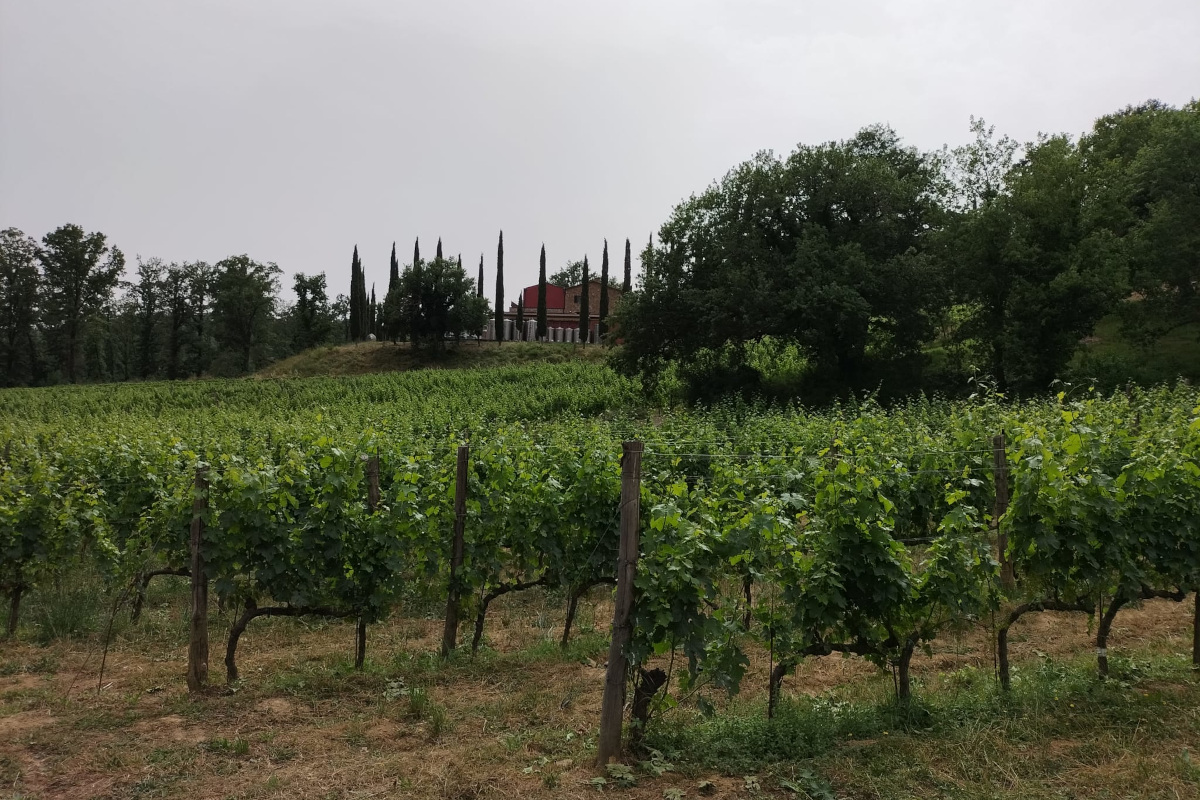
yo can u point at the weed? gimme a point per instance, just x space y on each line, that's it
236 747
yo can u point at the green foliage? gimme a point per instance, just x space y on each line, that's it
243 305
856 530
71 263
433 300
19 284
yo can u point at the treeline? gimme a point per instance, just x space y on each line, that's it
865 264
68 316
69 313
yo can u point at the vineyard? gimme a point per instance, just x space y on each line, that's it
862 532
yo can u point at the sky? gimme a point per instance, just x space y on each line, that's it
293 130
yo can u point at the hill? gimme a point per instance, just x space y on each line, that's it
367 357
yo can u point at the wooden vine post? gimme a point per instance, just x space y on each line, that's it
450 634
360 639
608 746
1000 464
197 672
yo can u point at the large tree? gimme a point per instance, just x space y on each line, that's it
83 271
448 304
541 301
19 285
360 305
584 315
201 279
823 250
627 284
1036 273
147 296
1152 155
313 319
604 290
243 307
571 275
499 310
393 269
175 318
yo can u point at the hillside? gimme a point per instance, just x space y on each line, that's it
367 357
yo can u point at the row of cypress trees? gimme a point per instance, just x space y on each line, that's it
364 313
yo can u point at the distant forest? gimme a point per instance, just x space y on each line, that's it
848 266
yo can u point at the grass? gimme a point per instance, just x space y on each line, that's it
521 717
370 357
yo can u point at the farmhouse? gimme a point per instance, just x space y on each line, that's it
562 310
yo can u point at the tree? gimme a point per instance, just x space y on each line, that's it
604 290
312 315
371 317
499 310
175 317
438 254
358 300
520 332
393 271
572 275
201 278
1035 272
243 303
146 309
823 250
448 305
414 293
584 317
627 285
541 306
479 280
71 264
19 286
1153 152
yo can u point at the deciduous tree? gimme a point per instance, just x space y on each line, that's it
83 271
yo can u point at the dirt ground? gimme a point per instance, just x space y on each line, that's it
519 720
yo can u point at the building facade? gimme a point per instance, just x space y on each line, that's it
562 308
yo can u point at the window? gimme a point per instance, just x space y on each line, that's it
576 299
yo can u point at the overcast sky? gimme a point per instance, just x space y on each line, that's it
292 130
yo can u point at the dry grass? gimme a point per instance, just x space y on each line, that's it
518 720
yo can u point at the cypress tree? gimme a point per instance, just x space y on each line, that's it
499 314
628 284
479 280
415 302
394 271
604 289
584 317
520 316
364 310
372 325
541 308
356 320
438 254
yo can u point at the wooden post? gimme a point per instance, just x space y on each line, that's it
360 637
1000 464
197 672
608 746
1196 632
450 634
